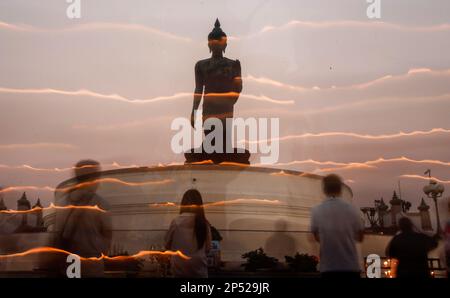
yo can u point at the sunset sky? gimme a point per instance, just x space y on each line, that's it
348 90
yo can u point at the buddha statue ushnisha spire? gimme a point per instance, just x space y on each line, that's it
217 32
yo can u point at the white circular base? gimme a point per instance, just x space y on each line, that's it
251 207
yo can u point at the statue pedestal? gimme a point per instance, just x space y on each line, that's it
236 157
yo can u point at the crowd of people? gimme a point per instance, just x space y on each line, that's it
335 224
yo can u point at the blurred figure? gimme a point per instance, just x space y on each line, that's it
85 232
447 242
411 249
280 243
190 233
337 225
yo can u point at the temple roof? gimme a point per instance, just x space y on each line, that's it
423 206
38 203
23 201
382 205
395 200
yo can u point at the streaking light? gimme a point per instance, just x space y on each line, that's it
140 254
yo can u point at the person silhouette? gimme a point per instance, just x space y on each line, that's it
218 81
337 226
410 249
190 232
85 232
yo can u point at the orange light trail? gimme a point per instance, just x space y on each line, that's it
203 162
166 204
113 165
52 206
117 97
37 145
230 163
140 254
226 95
242 200
28 167
97 26
278 84
113 180
351 134
283 173
412 176
369 162
344 24
219 203
352 166
84 184
56 169
21 188
84 92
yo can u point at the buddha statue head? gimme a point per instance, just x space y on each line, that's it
217 39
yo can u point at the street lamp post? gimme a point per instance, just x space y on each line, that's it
434 191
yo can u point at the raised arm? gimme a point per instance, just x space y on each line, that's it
198 92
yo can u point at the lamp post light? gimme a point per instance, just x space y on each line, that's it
434 191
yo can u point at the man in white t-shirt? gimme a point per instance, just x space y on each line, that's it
337 225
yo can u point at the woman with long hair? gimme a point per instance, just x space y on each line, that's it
190 233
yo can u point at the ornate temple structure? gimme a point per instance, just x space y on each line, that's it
26 222
383 219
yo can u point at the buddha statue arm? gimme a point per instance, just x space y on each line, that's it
198 92
237 77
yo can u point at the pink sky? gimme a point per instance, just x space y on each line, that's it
348 90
